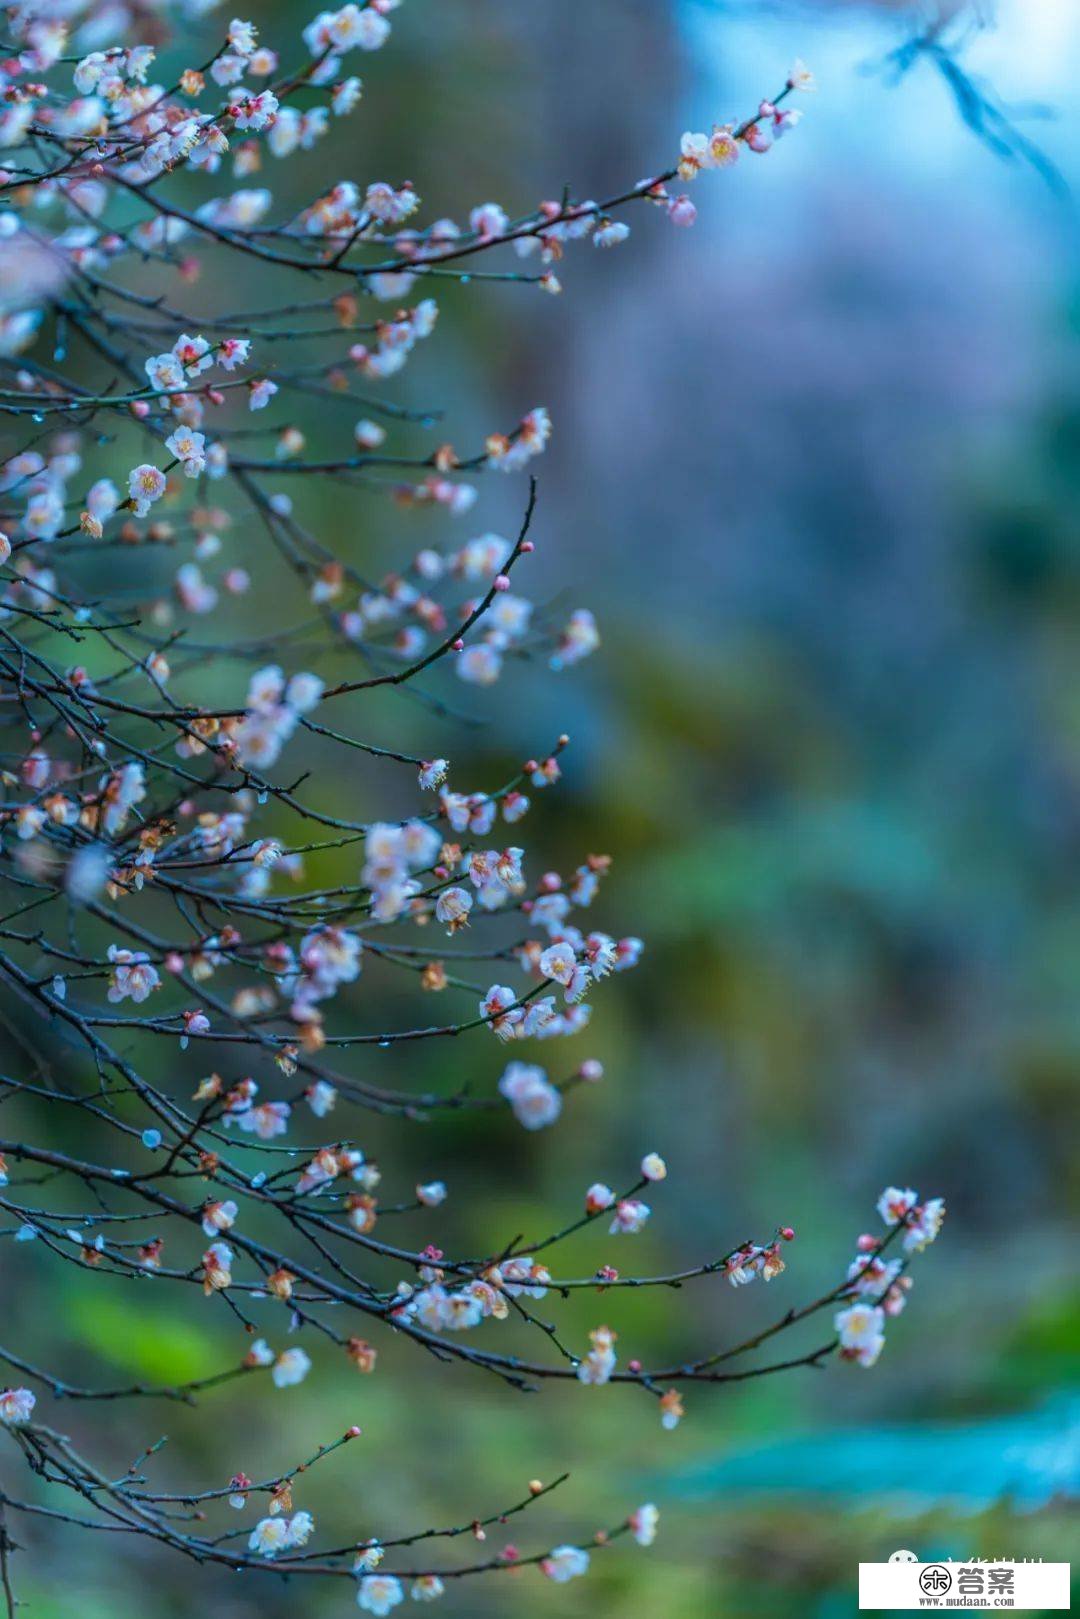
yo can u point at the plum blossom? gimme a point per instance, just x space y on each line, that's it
751 1261
270 1535
488 221
123 790
643 1524
559 962
924 1226
388 206
479 664
352 27
102 499
241 37
192 589
534 1100
265 1120
460 1311
524 1277
195 1022
241 210
681 211
255 112
217 1267
277 1533
260 393
860 1329
630 1217
598 1198
132 975
379 1593
16 1406
565 1563
671 1409
193 354
879 1280
723 146
472 812
610 233
894 1204
426 1588
233 351
453 906
290 1368
275 707
599 1363
329 957
190 448
145 486
433 773
321 1098
345 96
392 855
165 372
511 454
301 1528
218 1216
579 638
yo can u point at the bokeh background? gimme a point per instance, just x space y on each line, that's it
815 468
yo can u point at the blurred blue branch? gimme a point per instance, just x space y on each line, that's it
991 120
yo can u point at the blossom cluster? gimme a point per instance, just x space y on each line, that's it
881 1285
226 918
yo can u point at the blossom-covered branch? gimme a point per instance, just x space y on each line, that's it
210 940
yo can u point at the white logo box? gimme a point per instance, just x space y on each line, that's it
995 1584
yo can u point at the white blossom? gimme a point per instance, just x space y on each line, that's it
16 1405
290 1368
379 1593
565 1563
